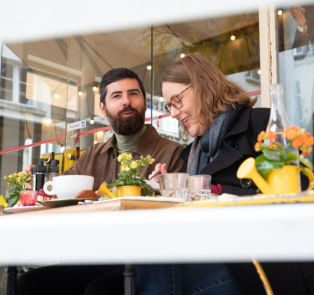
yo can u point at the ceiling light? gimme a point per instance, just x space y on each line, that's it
259 71
95 141
149 67
100 132
80 93
161 98
182 55
94 88
56 95
233 37
279 12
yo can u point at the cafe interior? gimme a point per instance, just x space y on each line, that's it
49 84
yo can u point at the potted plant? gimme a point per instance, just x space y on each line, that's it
17 182
129 182
276 170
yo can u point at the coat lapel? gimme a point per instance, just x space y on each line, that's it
227 154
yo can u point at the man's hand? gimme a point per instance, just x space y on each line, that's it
159 169
298 13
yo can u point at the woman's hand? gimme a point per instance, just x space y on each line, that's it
159 169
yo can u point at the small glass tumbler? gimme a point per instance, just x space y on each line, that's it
28 198
174 182
199 187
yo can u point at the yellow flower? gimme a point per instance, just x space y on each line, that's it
10 175
134 164
128 157
20 174
127 169
149 157
151 161
120 158
14 174
5 177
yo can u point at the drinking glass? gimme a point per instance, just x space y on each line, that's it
199 187
28 198
177 182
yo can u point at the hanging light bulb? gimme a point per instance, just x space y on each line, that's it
80 93
94 88
233 37
149 67
92 121
182 55
279 12
62 148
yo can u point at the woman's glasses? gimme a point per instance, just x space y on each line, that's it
175 101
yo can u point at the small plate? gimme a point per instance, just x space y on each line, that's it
16 210
62 202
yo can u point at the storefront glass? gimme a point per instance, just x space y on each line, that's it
295 32
48 84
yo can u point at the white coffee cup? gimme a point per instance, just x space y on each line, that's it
67 186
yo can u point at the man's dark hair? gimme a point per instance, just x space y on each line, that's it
115 75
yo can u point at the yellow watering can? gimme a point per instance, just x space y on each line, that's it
280 181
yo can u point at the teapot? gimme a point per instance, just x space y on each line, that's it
279 181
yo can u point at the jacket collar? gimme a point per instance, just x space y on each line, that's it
145 147
227 154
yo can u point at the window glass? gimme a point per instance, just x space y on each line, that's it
32 102
90 57
295 33
231 43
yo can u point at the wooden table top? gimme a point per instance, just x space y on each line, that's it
115 205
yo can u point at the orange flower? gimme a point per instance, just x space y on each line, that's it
271 145
298 141
308 139
306 153
291 132
260 136
257 146
271 135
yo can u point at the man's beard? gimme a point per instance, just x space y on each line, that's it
127 125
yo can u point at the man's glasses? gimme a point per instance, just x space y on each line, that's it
175 101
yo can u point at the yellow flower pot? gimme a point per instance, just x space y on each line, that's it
129 191
279 181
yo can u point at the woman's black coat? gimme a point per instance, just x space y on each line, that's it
238 145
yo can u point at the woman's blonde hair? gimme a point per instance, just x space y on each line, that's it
212 91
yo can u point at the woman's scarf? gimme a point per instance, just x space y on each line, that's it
207 146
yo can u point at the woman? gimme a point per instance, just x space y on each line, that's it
220 117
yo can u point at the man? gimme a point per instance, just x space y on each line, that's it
123 102
305 30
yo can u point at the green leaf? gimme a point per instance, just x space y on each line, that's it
264 167
12 201
272 155
306 162
291 155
